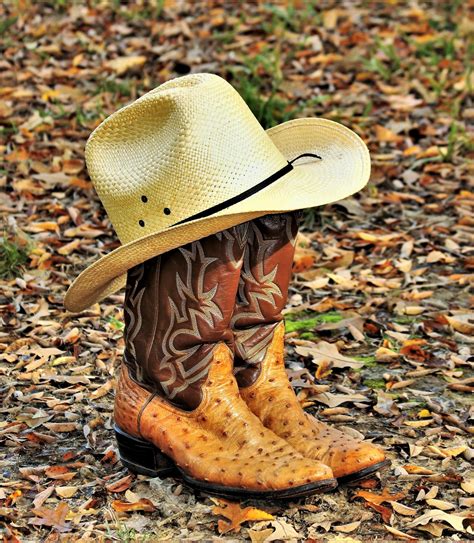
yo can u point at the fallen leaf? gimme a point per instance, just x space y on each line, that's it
462 323
54 518
120 65
400 534
121 485
66 491
403 509
60 473
455 521
419 470
441 504
237 516
143 504
468 486
324 352
379 498
347 528
283 532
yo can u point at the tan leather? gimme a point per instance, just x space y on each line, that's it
177 308
263 289
273 400
221 441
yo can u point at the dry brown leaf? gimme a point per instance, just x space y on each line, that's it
462 323
419 470
54 518
347 528
435 515
143 504
441 504
403 509
121 485
468 486
379 498
66 491
236 516
60 473
400 534
324 352
382 133
120 65
282 532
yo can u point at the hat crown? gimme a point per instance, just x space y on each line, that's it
180 149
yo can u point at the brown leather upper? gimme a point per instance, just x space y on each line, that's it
263 290
177 308
273 400
221 441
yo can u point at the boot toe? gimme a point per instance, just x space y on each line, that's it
351 459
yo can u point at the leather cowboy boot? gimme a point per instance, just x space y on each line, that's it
259 360
177 405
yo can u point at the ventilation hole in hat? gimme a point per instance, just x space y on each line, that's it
144 199
141 222
167 211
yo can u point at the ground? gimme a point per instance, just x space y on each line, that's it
379 318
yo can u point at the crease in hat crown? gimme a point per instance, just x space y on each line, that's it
183 147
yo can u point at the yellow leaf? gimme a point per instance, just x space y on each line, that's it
237 516
66 491
122 64
418 423
418 470
462 323
384 134
330 18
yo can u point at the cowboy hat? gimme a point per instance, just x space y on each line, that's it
189 159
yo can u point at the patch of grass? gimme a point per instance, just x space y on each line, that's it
301 321
6 24
116 323
369 361
375 384
290 17
383 61
258 81
459 142
128 535
85 118
14 253
310 336
121 88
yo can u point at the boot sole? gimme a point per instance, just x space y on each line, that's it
143 457
364 473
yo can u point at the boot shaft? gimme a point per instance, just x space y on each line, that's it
263 289
178 307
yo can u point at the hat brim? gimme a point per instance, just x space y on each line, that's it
344 169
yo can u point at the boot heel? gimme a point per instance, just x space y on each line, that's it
141 456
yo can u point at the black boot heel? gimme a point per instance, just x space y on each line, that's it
142 457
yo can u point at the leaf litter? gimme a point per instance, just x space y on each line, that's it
380 318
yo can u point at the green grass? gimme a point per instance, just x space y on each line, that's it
13 257
369 361
116 323
6 24
301 321
258 80
374 383
121 88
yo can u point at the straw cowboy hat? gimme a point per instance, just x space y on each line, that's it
189 159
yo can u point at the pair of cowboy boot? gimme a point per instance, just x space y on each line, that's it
179 406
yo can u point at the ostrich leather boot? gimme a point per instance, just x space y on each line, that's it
259 354
178 407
